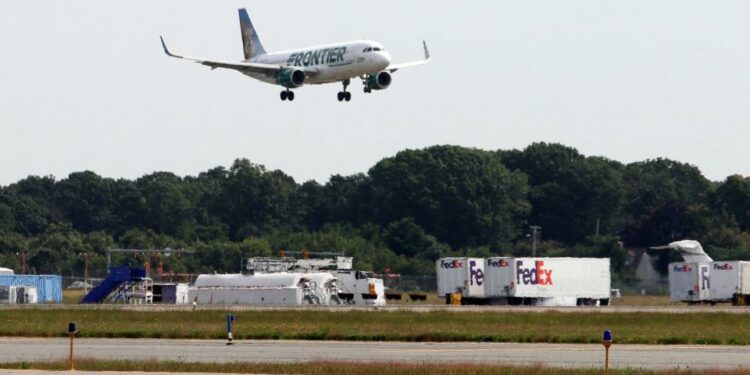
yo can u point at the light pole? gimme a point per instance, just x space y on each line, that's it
535 232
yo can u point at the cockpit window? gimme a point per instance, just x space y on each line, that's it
376 49
368 49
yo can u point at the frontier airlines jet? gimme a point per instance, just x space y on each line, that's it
338 62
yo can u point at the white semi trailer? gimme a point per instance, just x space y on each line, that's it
710 282
461 275
530 281
700 279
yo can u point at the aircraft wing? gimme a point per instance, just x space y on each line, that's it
267 69
394 67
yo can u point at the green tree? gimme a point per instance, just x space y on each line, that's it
85 199
733 197
462 196
664 202
571 195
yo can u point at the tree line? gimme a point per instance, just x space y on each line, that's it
403 214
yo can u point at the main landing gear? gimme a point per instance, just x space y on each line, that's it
345 95
287 95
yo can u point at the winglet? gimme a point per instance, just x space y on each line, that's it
426 51
166 50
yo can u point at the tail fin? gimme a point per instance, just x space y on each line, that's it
250 40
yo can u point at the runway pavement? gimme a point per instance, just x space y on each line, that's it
561 355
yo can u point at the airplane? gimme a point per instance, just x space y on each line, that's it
338 62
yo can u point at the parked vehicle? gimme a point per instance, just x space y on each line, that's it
529 281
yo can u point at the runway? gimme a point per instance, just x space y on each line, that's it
559 355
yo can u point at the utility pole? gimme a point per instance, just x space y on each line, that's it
535 232
86 273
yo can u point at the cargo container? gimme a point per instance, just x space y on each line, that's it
48 287
18 295
531 281
498 275
586 279
728 280
170 293
461 275
685 281
712 282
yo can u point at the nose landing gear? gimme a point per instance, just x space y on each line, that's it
345 95
287 95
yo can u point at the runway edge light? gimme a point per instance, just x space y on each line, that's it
230 328
607 342
72 330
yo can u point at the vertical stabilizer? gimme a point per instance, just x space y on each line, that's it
250 41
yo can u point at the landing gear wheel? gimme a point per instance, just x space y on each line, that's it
343 95
367 90
290 95
284 95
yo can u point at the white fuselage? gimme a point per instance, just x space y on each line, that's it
334 62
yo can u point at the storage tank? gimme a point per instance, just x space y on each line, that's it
281 289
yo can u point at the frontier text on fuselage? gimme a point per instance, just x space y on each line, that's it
321 56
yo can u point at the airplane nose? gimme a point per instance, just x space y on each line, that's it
385 59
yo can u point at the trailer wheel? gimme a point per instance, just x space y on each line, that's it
604 302
447 298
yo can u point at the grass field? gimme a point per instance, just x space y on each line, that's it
341 368
73 296
399 325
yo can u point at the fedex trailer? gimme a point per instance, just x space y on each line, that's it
498 274
561 281
529 281
730 281
710 282
461 275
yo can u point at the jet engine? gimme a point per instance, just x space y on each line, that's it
379 81
290 78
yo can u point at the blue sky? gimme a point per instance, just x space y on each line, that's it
85 86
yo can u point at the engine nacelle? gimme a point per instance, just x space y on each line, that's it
379 81
290 78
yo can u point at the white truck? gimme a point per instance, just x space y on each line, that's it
287 281
359 288
530 281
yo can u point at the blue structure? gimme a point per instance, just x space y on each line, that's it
118 277
48 287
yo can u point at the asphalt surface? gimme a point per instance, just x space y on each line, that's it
555 355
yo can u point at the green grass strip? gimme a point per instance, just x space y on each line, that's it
437 326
